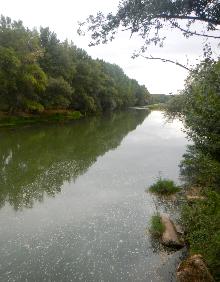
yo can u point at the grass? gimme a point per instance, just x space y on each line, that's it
22 119
156 227
202 225
164 187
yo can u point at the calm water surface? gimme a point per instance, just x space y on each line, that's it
73 205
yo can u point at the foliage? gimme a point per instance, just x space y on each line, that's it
199 108
156 107
164 187
148 18
40 116
34 107
202 108
156 227
58 93
198 168
202 222
159 98
37 70
174 107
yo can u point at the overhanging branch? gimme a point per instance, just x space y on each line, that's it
183 17
194 33
166 61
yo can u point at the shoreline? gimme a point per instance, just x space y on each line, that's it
21 118
49 116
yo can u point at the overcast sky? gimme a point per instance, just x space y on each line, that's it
62 17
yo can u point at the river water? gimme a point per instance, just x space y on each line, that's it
73 205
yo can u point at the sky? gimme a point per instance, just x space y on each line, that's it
62 18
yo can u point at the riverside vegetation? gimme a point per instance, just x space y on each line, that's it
42 78
164 187
156 228
198 107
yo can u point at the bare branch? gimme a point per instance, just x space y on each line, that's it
164 16
194 32
166 61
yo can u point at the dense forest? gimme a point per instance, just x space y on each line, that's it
38 72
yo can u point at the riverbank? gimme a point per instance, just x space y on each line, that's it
156 107
21 118
151 107
50 116
198 227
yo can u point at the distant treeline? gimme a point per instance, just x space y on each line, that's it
39 72
159 98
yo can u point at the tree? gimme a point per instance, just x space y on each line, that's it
148 18
20 83
198 107
39 72
58 59
22 79
58 94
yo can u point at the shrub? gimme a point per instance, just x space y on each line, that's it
58 94
156 227
164 187
198 168
202 224
74 115
33 106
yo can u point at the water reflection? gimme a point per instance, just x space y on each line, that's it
36 161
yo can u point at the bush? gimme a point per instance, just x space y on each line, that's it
200 169
156 227
198 107
33 106
202 224
164 187
58 94
74 115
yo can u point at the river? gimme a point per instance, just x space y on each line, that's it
73 205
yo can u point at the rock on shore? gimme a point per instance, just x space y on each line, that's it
170 236
193 269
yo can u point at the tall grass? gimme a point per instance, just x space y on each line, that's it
164 187
156 228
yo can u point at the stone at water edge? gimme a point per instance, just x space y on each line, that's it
179 229
170 236
194 198
193 269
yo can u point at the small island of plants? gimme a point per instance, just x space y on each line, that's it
164 187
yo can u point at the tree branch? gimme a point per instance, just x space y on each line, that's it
164 16
194 33
166 61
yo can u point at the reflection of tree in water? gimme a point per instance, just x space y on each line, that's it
38 160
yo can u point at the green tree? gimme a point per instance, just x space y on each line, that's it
22 79
148 19
39 72
58 59
199 107
58 94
